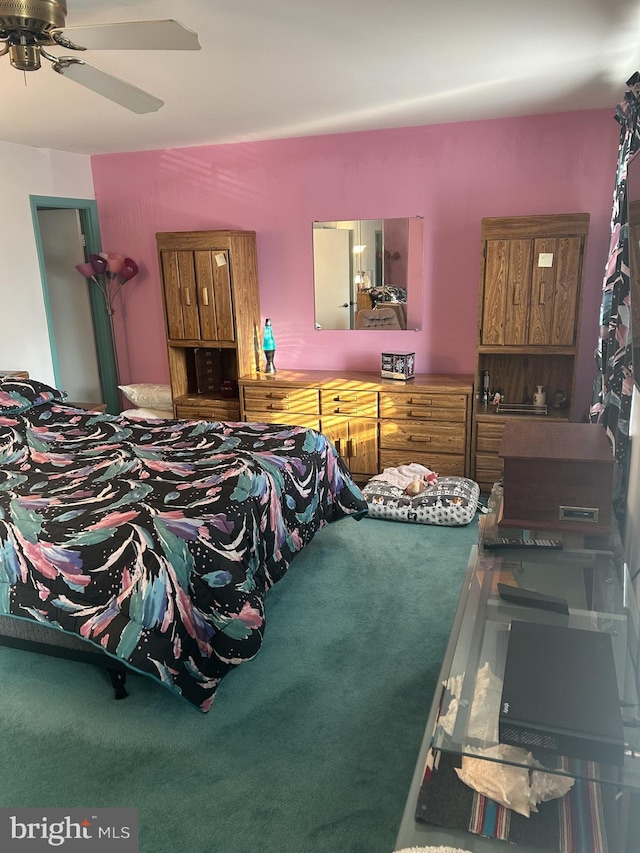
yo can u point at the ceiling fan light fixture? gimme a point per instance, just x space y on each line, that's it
24 57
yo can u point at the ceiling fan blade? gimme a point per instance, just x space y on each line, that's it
125 94
135 35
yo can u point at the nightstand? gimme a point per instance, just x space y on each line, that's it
14 374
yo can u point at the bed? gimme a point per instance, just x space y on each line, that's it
153 543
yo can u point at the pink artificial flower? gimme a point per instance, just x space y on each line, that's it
114 263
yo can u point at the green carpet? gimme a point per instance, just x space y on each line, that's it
309 748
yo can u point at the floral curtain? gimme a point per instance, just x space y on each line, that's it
613 386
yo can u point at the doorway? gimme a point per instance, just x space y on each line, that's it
67 232
333 278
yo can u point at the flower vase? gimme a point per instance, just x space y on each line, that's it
540 400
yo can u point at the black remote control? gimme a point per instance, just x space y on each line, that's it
531 598
495 544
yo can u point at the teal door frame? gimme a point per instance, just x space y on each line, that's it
90 227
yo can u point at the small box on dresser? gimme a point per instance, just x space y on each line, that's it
398 365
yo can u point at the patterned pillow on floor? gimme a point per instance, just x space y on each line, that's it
450 501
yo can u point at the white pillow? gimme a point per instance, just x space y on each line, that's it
148 395
148 413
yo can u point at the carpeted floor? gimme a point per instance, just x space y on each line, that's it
309 748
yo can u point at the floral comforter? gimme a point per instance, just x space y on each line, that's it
157 540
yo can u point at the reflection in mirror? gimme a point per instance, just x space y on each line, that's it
367 274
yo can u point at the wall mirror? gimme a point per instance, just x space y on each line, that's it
368 274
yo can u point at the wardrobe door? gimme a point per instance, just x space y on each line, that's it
495 289
215 305
566 298
518 292
181 299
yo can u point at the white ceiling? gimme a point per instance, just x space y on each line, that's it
283 68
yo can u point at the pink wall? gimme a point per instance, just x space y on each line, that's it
453 175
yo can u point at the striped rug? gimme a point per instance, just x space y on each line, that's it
575 823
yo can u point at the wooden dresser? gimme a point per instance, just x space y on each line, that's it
375 423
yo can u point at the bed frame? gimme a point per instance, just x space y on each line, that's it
47 640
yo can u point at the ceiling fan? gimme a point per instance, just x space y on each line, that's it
29 27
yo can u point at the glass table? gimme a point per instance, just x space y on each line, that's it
464 713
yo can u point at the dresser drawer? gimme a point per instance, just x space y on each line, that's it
281 400
419 435
488 437
347 402
444 464
288 418
440 407
489 467
217 410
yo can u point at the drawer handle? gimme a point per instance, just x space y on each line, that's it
205 296
542 294
423 415
342 411
346 398
273 396
424 440
353 447
186 296
276 408
338 445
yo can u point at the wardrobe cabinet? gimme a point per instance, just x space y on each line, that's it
212 316
532 271
375 423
